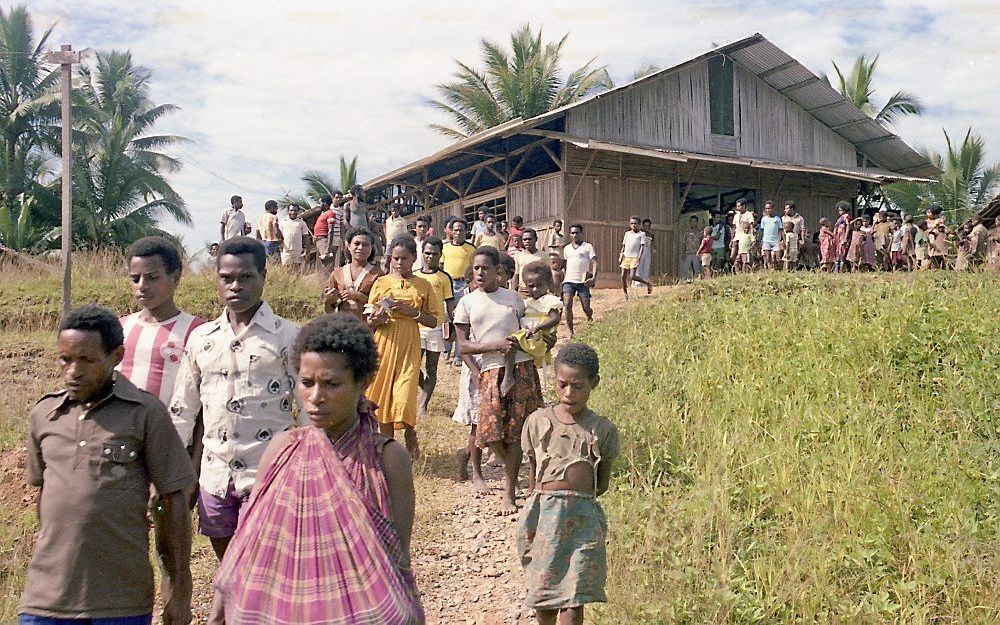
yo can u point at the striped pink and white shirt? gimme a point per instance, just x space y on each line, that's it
153 352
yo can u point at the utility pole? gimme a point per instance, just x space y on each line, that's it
65 57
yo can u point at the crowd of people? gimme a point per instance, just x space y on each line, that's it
283 437
739 242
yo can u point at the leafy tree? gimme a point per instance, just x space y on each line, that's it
348 173
523 81
120 187
28 100
964 186
859 88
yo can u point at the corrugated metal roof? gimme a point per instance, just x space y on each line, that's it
772 65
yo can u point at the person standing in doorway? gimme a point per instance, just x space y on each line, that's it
234 220
692 239
268 229
235 372
580 274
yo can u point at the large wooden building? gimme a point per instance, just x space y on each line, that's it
742 120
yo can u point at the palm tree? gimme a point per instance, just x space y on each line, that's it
348 173
858 87
520 83
120 184
964 186
28 99
319 184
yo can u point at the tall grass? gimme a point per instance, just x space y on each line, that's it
30 297
805 449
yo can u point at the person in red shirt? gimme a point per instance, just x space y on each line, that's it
705 253
326 239
516 230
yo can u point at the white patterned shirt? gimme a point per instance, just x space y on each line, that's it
244 386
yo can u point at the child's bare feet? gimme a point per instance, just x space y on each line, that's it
463 464
479 485
507 505
412 446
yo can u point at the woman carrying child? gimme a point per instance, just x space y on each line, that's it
400 302
486 321
562 531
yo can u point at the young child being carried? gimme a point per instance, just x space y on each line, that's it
562 531
542 312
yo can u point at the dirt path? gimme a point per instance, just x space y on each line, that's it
464 556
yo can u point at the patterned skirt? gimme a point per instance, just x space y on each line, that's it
501 418
561 539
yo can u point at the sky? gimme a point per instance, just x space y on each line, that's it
270 89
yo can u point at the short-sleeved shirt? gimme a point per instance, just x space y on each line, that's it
771 227
536 311
511 232
492 317
745 241
746 217
153 351
394 227
578 259
95 465
292 231
492 240
356 214
632 243
479 227
798 224
706 244
554 241
524 258
692 239
456 259
322 226
267 227
235 221
441 284
554 446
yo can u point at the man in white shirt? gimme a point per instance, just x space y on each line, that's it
294 231
420 228
479 226
580 274
633 244
740 217
236 373
234 220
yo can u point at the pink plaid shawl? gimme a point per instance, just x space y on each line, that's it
316 544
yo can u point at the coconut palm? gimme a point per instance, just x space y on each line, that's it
319 184
964 186
348 173
859 88
521 82
28 99
121 190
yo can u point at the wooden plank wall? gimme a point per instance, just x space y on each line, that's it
771 126
538 200
614 187
668 111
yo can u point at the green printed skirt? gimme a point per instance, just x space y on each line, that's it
561 539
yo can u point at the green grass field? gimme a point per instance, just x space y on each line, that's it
805 449
797 449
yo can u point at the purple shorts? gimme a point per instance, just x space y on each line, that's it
219 516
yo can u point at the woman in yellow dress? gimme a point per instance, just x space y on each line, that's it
398 302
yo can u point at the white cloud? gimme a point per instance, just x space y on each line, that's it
270 89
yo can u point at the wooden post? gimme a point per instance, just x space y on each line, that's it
66 58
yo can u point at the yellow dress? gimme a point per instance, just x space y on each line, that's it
394 388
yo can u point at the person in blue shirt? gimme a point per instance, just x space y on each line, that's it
770 236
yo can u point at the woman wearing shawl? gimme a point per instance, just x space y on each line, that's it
348 287
326 535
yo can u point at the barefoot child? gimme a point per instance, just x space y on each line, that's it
744 242
705 252
485 321
542 312
467 413
562 530
790 247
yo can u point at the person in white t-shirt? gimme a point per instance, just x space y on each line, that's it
234 220
580 273
633 245
293 233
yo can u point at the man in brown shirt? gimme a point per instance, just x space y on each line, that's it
94 449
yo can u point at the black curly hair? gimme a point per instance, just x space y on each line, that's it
541 269
148 247
92 318
238 246
339 333
581 357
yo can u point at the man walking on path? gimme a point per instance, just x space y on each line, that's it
94 449
233 221
236 373
580 274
